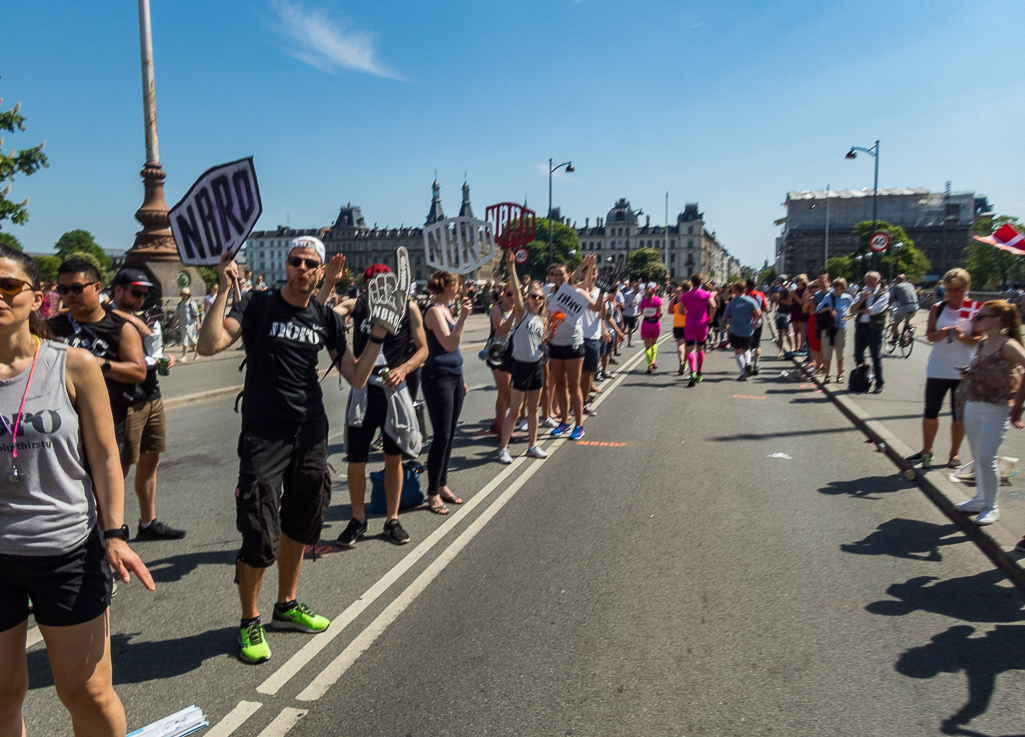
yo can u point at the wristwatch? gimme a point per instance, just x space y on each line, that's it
121 532
105 366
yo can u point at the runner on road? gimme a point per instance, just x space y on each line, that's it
679 313
699 304
741 315
651 324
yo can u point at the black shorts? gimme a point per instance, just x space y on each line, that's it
527 377
782 323
592 351
629 322
756 337
67 589
607 346
358 439
678 334
565 352
283 486
739 343
935 391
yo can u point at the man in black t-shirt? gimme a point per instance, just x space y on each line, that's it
284 485
112 339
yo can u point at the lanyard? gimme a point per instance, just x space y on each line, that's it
21 410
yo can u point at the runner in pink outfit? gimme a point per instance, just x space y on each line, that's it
699 304
651 324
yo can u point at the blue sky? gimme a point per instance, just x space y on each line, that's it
729 104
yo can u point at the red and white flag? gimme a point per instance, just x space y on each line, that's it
1006 239
969 309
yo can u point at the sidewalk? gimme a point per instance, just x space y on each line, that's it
894 418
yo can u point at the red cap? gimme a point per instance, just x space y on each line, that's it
373 270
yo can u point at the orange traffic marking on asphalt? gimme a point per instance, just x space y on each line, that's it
747 396
602 444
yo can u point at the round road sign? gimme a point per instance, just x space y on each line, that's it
521 254
879 242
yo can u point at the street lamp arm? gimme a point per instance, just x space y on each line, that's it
553 169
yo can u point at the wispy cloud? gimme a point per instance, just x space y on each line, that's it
321 42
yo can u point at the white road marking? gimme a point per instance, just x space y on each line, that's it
330 675
283 722
34 636
234 719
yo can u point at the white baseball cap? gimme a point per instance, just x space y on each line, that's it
308 241
652 285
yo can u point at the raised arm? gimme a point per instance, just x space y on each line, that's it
510 260
332 275
219 332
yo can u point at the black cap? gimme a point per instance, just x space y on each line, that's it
133 277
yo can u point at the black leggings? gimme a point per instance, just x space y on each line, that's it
444 395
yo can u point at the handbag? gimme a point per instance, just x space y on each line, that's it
412 492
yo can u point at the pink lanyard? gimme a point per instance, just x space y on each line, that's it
14 477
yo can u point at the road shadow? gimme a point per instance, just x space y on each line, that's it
176 567
977 598
142 662
865 488
907 538
981 658
773 434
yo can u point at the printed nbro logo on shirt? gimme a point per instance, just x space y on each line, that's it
297 333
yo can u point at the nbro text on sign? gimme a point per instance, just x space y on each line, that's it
217 214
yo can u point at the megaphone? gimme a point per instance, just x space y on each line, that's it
494 359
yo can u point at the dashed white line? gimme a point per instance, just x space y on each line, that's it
234 719
34 636
283 722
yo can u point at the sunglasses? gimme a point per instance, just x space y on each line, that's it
295 262
137 294
535 296
75 289
980 316
11 287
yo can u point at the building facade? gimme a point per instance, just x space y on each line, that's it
938 223
691 247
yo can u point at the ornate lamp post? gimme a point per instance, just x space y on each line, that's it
552 170
874 153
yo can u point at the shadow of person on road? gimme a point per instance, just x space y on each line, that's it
176 567
142 662
981 658
978 598
906 538
868 487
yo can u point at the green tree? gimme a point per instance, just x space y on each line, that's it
48 266
909 261
26 161
10 241
209 274
646 265
82 241
988 265
565 243
840 266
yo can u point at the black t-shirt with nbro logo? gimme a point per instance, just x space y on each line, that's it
103 339
283 345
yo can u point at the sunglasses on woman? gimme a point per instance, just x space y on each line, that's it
535 296
75 289
979 316
295 262
11 287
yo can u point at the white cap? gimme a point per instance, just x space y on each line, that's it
308 241
652 285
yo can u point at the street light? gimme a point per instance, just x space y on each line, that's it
874 153
552 170
894 256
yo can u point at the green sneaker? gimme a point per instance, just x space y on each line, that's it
299 618
700 377
253 647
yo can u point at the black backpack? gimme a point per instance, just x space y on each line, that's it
859 381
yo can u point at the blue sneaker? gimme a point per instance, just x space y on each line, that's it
578 432
561 430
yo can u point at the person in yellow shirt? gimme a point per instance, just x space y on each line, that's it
679 314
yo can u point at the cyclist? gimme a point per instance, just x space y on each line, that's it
903 303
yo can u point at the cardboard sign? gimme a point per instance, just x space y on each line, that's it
514 225
387 294
460 244
608 273
217 214
569 300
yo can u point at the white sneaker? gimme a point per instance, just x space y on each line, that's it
521 426
535 451
971 506
549 422
504 457
988 518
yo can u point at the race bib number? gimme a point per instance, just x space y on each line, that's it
650 312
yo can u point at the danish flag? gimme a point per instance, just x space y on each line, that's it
969 309
1006 239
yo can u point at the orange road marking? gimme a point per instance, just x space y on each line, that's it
747 396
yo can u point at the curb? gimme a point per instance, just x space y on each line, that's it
224 391
995 541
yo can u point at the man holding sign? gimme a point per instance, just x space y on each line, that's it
284 485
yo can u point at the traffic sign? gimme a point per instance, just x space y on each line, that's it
521 254
879 241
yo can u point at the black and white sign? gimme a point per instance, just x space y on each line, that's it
570 301
608 274
217 214
387 294
879 242
521 254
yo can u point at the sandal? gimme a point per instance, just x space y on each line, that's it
450 499
440 509
839 379
954 462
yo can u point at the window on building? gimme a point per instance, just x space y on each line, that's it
690 229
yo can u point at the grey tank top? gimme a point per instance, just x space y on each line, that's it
51 509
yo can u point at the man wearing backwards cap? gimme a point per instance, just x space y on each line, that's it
284 485
399 360
145 426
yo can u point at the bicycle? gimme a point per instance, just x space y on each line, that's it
905 340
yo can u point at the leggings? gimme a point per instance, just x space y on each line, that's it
986 427
443 393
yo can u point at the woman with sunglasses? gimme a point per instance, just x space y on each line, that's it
992 380
62 527
501 315
526 369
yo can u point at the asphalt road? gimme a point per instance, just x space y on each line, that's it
728 559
